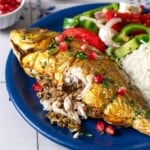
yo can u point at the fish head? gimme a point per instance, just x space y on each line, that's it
25 41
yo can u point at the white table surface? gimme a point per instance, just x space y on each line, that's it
15 132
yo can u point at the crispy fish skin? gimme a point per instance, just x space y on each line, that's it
122 110
30 40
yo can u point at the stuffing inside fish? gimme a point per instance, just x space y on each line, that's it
76 87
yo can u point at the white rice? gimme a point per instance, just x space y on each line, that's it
137 66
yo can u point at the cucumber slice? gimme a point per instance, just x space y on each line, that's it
126 48
89 25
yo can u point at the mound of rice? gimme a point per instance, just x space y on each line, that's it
137 66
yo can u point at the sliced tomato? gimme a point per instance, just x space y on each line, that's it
147 23
145 19
128 18
110 14
85 35
125 18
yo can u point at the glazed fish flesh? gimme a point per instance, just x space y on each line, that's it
72 74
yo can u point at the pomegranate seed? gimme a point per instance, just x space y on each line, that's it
110 130
100 126
59 38
98 78
63 46
13 3
84 46
121 91
19 1
37 87
2 2
92 55
10 1
8 5
2 7
2 12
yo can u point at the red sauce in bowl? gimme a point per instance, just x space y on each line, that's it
7 6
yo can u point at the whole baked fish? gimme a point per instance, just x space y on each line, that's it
77 86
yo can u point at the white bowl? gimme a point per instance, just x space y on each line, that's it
8 19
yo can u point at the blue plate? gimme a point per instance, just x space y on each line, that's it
19 87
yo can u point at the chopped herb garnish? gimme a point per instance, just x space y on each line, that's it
45 63
112 98
132 103
69 39
52 51
72 54
111 80
81 55
100 68
116 85
33 74
81 133
69 121
137 112
147 114
130 86
107 81
52 47
88 135
23 37
85 134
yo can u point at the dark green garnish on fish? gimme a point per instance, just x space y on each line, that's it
147 114
81 55
132 103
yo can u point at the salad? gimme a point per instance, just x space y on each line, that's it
121 28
